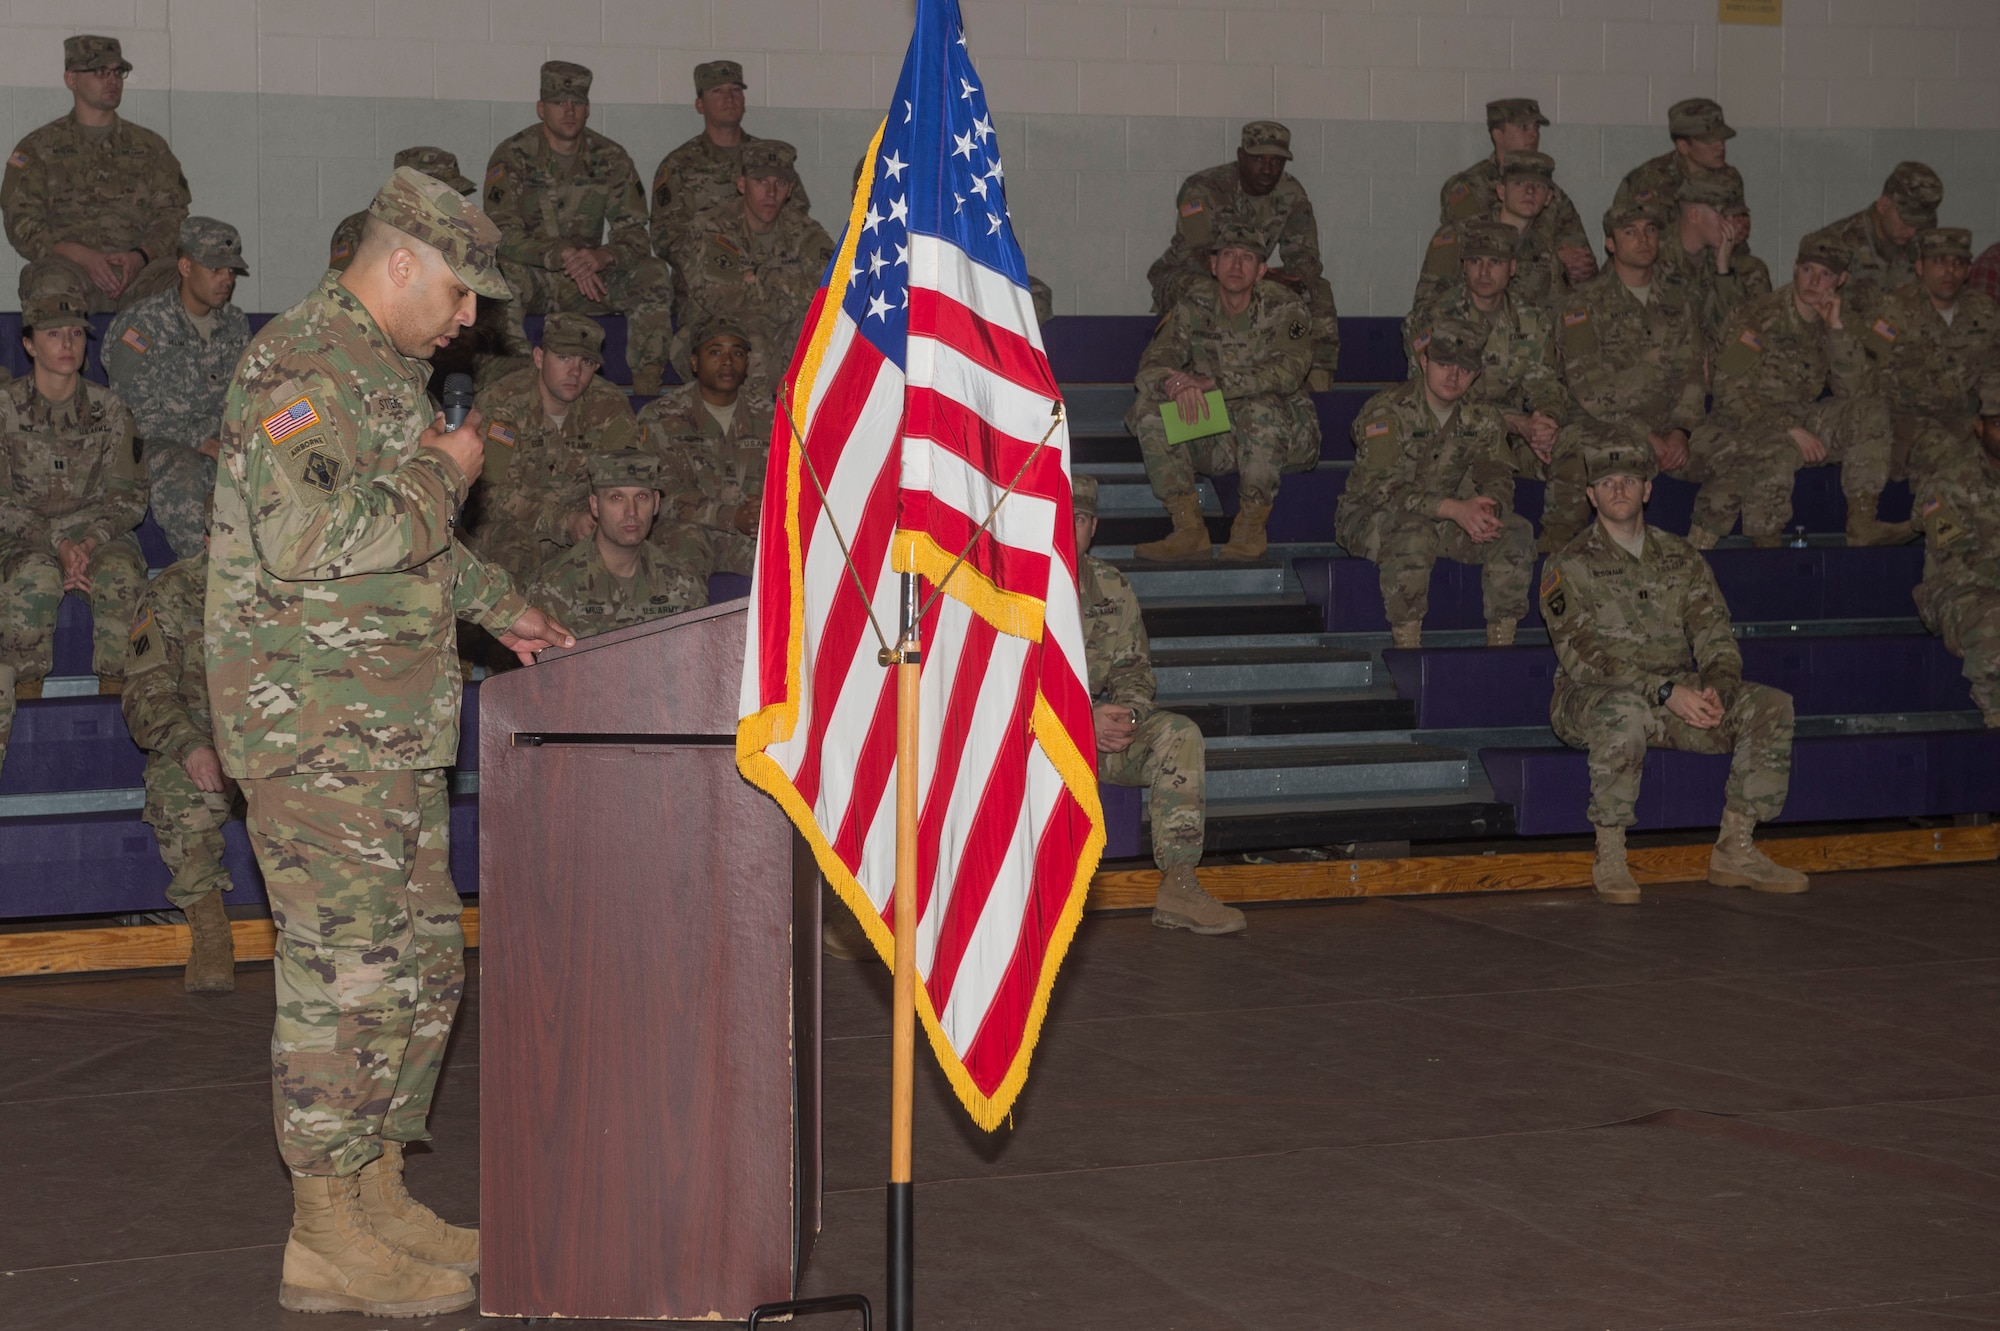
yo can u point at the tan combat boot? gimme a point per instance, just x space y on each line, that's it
403 1222
1189 537
335 1263
1182 904
1701 538
1500 634
1610 878
1246 534
1736 861
211 967
1864 528
1409 634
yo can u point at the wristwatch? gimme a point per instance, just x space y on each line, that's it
1664 692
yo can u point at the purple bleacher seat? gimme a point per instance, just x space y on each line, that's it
70 744
1306 500
1877 583
468 728
1097 348
1350 592
727 587
1460 687
1337 411
153 543
1371 351
1124 813
73 650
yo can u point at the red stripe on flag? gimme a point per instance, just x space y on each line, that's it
872 773
1005 352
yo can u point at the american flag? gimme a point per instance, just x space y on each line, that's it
921 391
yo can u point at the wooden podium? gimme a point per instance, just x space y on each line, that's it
649 1080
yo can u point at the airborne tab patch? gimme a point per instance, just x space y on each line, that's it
136 340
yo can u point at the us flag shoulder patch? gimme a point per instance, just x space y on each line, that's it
1575 317
18 158
1375 429
1886 330
494 172
1191 207
1748 337
1458 191
282 425
341 251
1442 239
136 340
500 434
1551 579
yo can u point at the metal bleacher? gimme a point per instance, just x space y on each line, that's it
1319 735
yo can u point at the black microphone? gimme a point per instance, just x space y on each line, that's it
457 399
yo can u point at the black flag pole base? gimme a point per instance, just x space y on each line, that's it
831 1303
902 1247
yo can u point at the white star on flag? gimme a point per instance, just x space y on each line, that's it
873 220
899 210
983 128
969 90
962 146
878 308
994 229
895 165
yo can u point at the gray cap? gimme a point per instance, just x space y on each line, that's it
213 244
1514 111
1267 138
714 326
54 309
1944 242
1484 238
1716 189
716 73
1538 166
1916 190
573 335
86 51
770 157
1622 458
1823 248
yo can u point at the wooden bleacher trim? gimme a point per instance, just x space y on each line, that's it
115 948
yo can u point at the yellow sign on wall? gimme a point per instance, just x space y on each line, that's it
1768 12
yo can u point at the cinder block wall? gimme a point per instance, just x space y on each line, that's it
286 112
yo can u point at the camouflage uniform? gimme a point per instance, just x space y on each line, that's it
1715 296
534 477
1656 182
1634 370
115 191
434 162
68 471
1520 371
173 373
333 586
1625 625
544 204
1958 510
1166 754
1769 377
1469 194
1214 200
1259 363
1928 369
1539 275
710 472
1406 464
166 708
1877 265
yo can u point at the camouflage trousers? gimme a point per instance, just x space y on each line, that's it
1171 283
1968 619
1922 446
1405 547
181 480
370 958
1749 466
641 291
30 593
187 822
1617 724
58 275
1270 435
513 545
1166 757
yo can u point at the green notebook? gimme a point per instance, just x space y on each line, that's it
1180 431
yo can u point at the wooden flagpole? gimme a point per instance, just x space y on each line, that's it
902 1078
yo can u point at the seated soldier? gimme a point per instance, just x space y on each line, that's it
1781 353
1521 198
1931 341
1432 480
572 219
713 441
1701 250
626 573
1701 146
436 163
1520 376
72 489
171 358
1644 658
1253 193
188 798
1875 242
1958 511
1515 126
1251 341
1755 273
756 262
94 202
543 422
1138 744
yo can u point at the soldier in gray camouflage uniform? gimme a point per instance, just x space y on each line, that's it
1515 126
1644 657
1254 192
1520 203
1931 341
572 218
72 488
1780 354
1251 341
170 357
629 572
713 441
1876 241
1138 743
1432 480
1958 510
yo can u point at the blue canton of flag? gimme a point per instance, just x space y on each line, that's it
938 173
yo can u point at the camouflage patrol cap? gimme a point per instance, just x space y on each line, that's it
1454 341
1241 236
1083 496
438 165
1944 242
1632 210
213 244
573 335
565 82
1698 118
1989 393
87 52
1714 189
1622 458
1484 238
1514 111
1916 190
1536 166
627 466
770 157
1267 138
714 326
53 309
434 213
1823 248
716 73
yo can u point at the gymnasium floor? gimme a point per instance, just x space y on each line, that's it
1502 1112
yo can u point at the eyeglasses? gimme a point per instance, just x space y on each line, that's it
111 72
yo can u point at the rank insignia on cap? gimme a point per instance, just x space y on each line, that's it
1375 430
18 158
1886 330
1191 207
136 340
282 425
494 172
1575 317
1748 337
500 434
